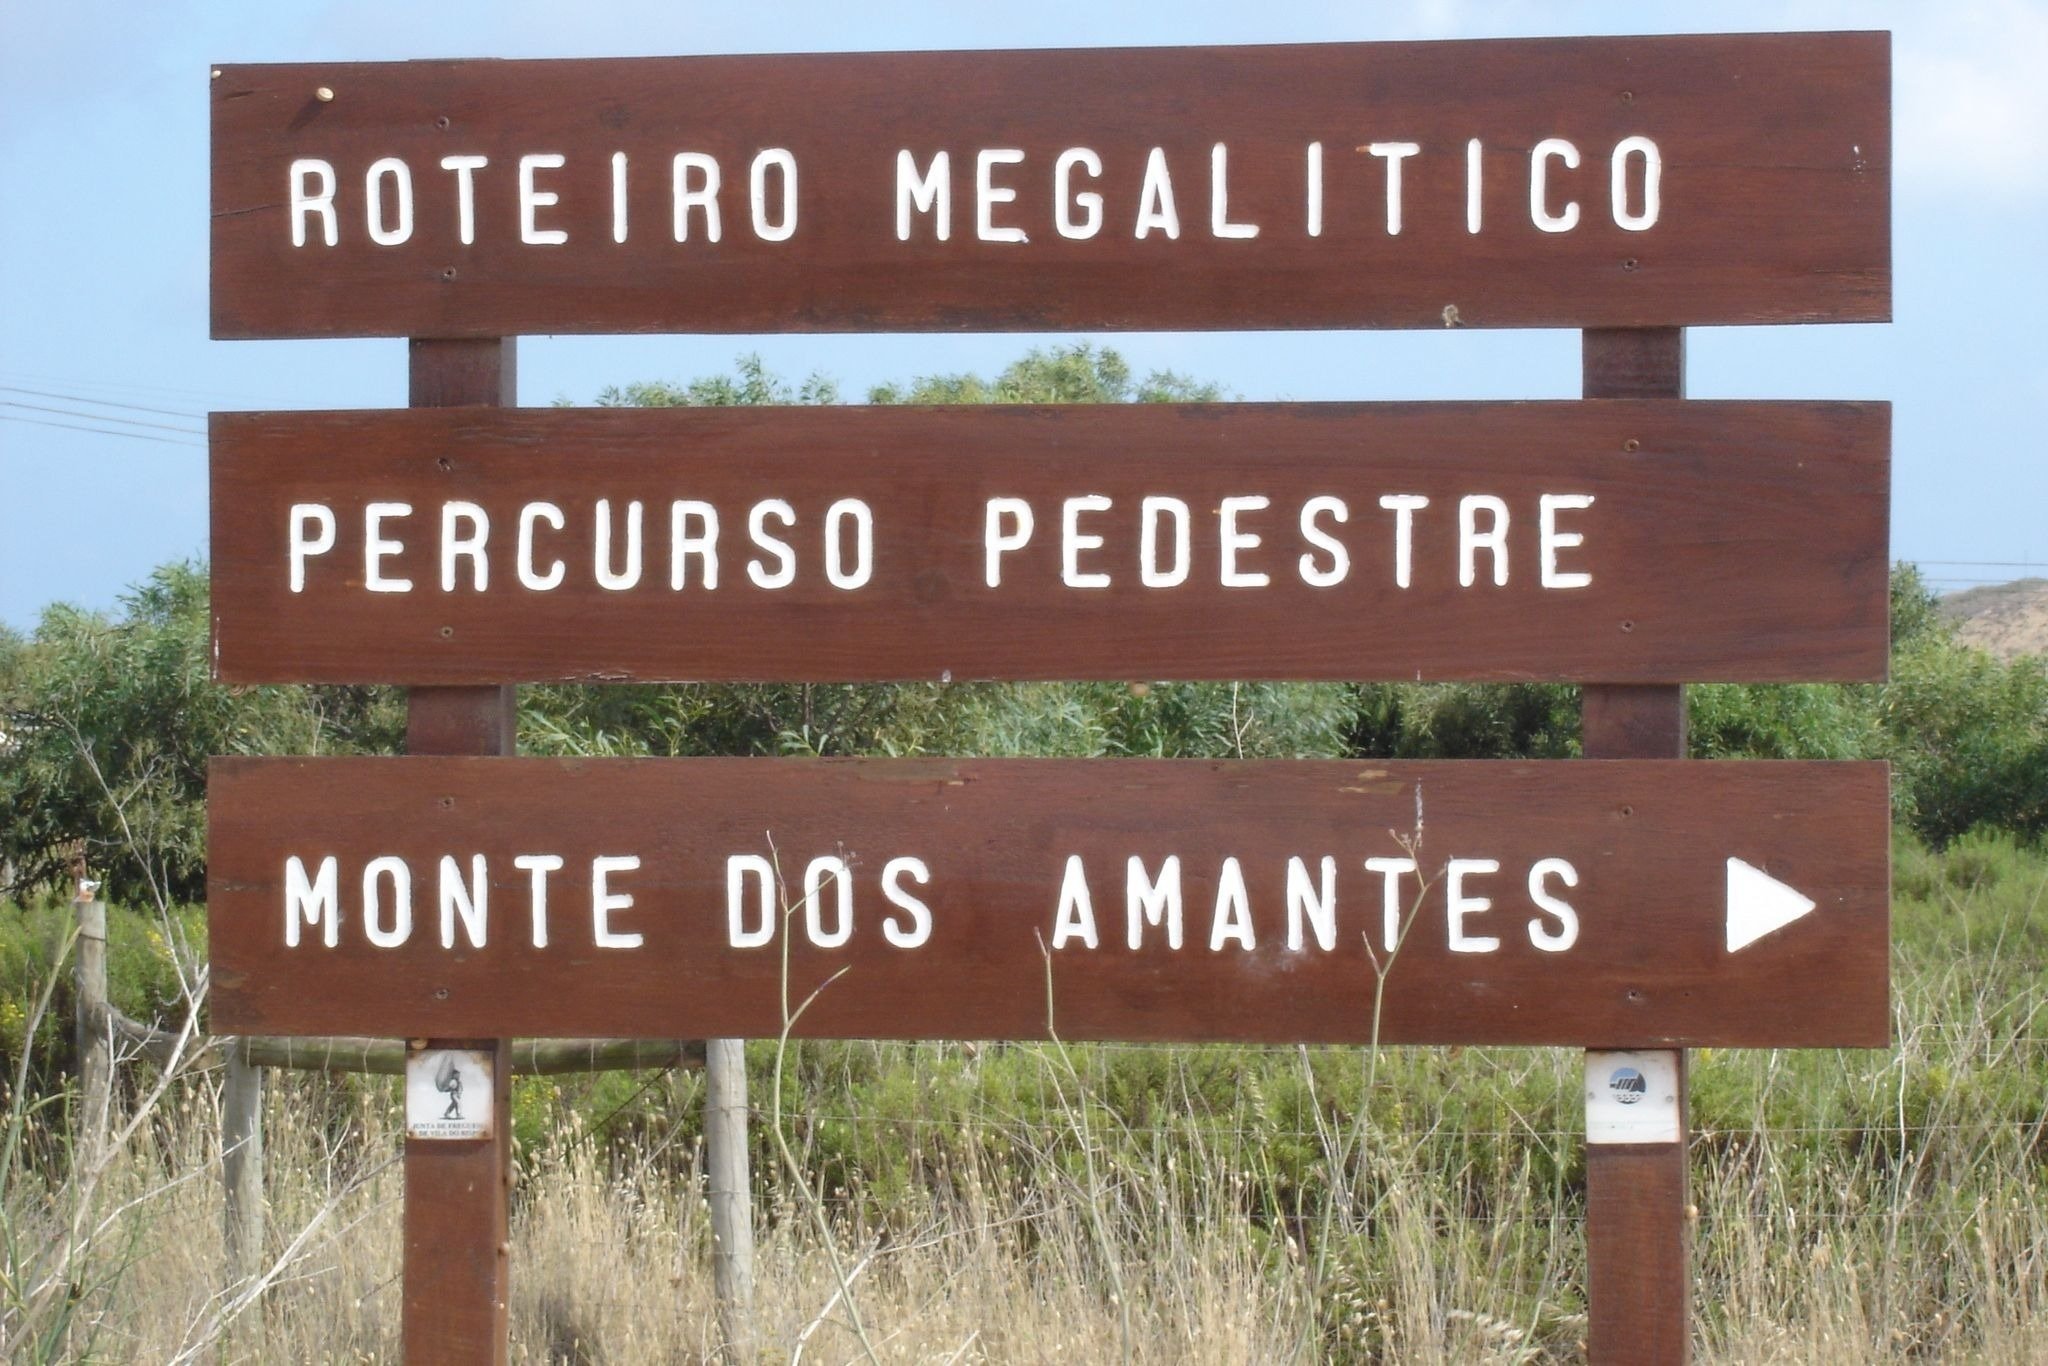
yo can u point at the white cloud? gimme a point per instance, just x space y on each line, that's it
1972 99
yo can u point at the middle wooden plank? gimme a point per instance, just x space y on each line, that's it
1611 541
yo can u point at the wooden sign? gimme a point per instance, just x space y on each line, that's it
1585 182
1607 541
1627 904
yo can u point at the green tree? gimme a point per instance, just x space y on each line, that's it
1219 719
111 720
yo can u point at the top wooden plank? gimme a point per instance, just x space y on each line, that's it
1580 182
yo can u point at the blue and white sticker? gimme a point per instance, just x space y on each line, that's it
1632 1098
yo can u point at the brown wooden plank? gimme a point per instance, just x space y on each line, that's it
1648 841
457 1208
1638 1221
1773 200
1639 1250
1725 541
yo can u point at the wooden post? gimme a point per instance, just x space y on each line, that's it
732 1216
90 1029
241 1157
1638 1226
458 1193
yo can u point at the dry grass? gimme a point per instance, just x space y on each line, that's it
611 1251
1032 1204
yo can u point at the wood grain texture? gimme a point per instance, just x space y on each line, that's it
1648 842
1639 1249
1775 189
458 1195
1726 541
1638 1207
457 1220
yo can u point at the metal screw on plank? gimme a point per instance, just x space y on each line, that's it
325 94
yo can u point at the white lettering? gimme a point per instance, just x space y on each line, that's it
1471 538
682 544
1307 905
528 575
1064 197
400 929
1073 541
833 870
987 194
1235 540
1554 540
376 549
930 193
1539 185
618 196
306 202
1076 917
471 901
532 200
1340 558
704 197
618 580
863 544
1404 507
1232 921
1219 198
1567 932
465 168
1395 153
1475 155
1149 571
1152 902
456 544
373 189
303 516
919 930
739 868
1315 189
783 228
603 901
1458 905
1653 176
1155 199
995 541
312 903
537 867
1392 914
757 530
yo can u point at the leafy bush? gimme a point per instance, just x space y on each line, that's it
143 953
111 722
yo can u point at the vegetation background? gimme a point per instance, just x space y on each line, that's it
1043 1202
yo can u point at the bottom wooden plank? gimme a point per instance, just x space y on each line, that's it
1623 904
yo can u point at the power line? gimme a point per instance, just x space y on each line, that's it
101 431
1986 564
115 386
101 402
101 417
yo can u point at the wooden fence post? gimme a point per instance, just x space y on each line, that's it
91 1031
458 1193
241 1157
1638 1223
732 1217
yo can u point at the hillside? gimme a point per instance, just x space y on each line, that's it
2006 619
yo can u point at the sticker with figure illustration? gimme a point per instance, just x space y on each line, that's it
448 1094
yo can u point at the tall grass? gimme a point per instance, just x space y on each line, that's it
1166 1205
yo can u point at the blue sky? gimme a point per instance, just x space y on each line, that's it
103 199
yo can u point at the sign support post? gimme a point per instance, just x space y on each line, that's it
458 1192
1638 1234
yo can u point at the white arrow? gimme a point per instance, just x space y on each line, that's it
1758 904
